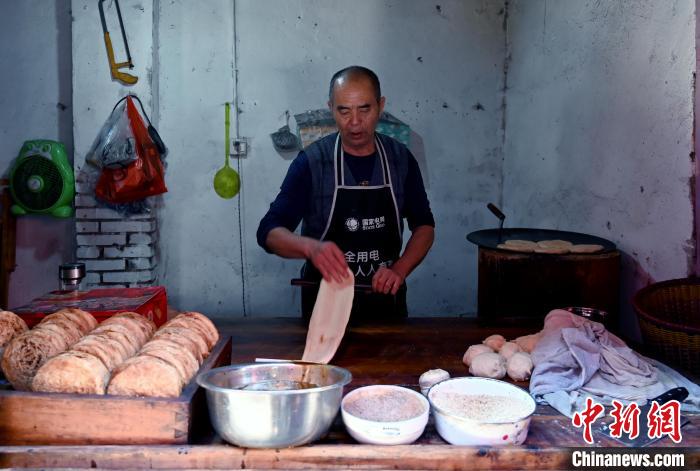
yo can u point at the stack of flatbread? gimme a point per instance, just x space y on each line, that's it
168 361
556 246
11 325
27 352
329 319
69 352
86 367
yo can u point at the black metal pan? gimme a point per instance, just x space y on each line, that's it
490 238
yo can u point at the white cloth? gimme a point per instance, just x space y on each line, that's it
576 358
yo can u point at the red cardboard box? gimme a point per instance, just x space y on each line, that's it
151 302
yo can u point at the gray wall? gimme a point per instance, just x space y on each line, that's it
600 128
598 118
35 103
433 75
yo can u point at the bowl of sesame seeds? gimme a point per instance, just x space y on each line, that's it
481 411
385 414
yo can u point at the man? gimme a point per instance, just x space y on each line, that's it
352 189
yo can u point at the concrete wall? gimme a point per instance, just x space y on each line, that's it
598 119
600 128
35 103
441 68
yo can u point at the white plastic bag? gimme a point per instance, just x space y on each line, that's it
115 145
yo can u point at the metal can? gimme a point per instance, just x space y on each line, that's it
70 276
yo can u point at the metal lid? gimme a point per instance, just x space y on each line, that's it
71 271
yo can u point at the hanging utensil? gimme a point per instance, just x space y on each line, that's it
227 183
114 66
283 139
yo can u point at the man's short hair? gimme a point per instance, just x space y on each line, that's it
354 72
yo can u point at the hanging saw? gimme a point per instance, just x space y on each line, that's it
114 66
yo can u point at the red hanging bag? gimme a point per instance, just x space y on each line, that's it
143 177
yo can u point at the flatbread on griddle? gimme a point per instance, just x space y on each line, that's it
552 250
586 248
521 243
516 248
556 243
329 319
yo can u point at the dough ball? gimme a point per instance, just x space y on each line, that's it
508 349
473 351
495 342
527 343
488 365
519 366
431 377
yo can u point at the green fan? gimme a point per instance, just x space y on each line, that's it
41 180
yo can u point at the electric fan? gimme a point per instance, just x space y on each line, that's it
41 180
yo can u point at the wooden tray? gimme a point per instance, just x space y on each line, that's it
32 418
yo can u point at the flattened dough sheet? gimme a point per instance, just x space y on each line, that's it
329 319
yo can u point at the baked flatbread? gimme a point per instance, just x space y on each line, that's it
11 325
520 243
586 248
177 357
146 376
71 330
329 319
189 338
146 324
121 333
205 322
138 330
186 357
26 353
108 350
72 372
193 324
117 340
556 243
86 320
552 250
516 248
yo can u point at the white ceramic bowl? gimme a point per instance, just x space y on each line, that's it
458 430
373 432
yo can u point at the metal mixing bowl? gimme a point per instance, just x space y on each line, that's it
276 418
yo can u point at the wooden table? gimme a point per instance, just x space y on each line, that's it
375 354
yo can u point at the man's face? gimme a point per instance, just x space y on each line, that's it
356 113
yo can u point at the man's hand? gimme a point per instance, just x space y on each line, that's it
387 280
329 260
325 256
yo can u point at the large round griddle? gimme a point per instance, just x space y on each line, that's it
490 238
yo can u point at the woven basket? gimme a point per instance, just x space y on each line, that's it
669 318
